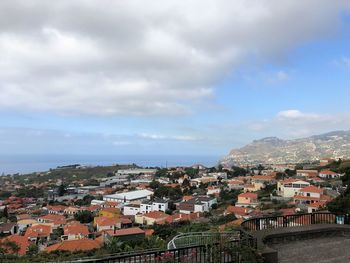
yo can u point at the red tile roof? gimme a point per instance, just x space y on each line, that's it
126 231
38 231
249 195
21 241
55 219
237 210
75 245
156 215
76 229
311 189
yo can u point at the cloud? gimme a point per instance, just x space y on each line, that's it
295 124
297 115
142 57
167 137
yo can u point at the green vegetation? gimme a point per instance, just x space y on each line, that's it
70 174
84 217
341 204
170 192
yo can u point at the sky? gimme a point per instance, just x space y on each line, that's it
169 77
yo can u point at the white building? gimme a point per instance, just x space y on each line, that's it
156 205
328 174
127 197
131 209
290 187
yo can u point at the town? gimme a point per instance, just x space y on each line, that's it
76 212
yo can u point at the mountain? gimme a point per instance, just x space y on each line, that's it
277 151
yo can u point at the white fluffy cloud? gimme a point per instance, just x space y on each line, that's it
142 57
295 124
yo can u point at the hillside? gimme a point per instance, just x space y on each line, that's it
274 150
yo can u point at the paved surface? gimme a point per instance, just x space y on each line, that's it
320 250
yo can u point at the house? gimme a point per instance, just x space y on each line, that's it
326 161
307 173
235 184
131 209
154 217
21 241
328 174
212 190
8 228
137 195
106 223
38 233
25 223
313 207
155 205
75 231
56 209
54 219
75 245
289 187
197 204
263 179
247 200
310 195
239 212
183 217
252 187
127 234
71 211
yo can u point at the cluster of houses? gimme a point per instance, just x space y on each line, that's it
129 210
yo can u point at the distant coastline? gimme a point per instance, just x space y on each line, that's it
23 164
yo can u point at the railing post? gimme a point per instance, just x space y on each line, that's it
312 219
284 221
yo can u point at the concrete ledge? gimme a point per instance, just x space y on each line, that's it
268 237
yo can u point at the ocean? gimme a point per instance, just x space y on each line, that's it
22 164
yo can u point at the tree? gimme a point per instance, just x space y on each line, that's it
161 173
84 217
61 190
32 250
114 245
186 183
9 247
154 184
191 171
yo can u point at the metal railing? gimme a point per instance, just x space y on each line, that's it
228 252
272 222
202 238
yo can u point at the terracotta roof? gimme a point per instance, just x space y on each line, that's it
328 172
55 219
21 241
149 232
38 231
187 197
311 189
263 177
248 195
126 231
106 221
56 208
287 211
76 229
237 210
75 245
23 216
156 215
